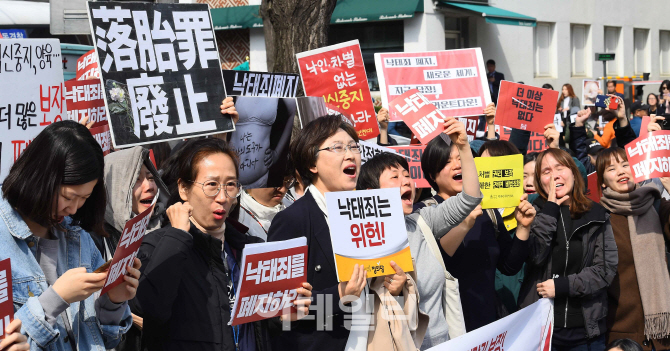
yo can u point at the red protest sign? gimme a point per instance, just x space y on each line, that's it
6 296
128 247
102 136
413 156
453 80
86 98
649 156
525 107
592 191
643 128
422 117
271 273
536 143
337 73
87 66
471 124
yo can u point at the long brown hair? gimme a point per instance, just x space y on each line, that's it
571 93
579 203
605 160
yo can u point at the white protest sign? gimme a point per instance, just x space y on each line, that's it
31 94
370 150
368 228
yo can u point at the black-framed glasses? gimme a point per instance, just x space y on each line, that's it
664 88
211 188
340 148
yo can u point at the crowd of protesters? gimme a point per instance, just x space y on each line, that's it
604 264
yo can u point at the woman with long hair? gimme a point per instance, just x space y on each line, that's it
567 100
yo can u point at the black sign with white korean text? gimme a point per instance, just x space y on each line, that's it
160 70
247 83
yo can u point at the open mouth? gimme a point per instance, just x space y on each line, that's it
623 180
147 202
559 185
350 170
406 197
219 214
458 177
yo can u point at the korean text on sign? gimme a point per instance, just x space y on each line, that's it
87 66
370 150
413 156
453 80
245 83
337 73
422 117
649 156
500 180
160 70
368 228
6 296
525 107
271 273
85 99
31 96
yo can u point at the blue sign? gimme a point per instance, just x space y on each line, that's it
13 34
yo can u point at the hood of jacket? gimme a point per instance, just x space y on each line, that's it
121 171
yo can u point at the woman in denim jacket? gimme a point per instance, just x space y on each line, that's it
54 194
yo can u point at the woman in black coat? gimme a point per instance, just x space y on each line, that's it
192 267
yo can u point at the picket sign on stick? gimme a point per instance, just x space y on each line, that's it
6 296
271 273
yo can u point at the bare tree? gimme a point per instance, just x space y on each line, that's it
294 26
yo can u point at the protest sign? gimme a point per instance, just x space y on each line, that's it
649 157
32 95
85 98
101 135
160 69
271 273
337 73
592 191
261 139
87 66
527 329
423 118
525 107
500 180
6 296
247 83
128 247
536 143
590 89
369 150
368 229
645 124
413 156
471 124
453 80
311 108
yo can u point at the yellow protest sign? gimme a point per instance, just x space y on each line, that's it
501 180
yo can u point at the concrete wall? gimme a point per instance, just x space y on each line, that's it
424 31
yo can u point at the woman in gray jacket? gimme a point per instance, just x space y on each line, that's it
573 256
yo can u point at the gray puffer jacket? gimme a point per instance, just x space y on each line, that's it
598 268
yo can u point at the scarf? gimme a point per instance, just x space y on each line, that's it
319 198
259 212
646 237
217 233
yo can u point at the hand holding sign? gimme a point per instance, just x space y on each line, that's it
126 290
456 132
12 339
228 108
77 285
355 285
395 282
302 303
490 113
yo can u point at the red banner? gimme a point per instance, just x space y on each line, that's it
6 296
86 98
525 107
453 80
423 118
536 143
102 136
87 66
128 247
413 155
643 128
271 273
337 73
649 156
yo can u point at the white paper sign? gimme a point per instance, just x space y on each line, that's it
370 150
32 94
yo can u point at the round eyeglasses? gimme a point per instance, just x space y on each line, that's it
211 188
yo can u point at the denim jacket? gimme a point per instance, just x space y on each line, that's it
29 281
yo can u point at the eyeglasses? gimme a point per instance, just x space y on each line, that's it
212 188
664 88
340 148
288 183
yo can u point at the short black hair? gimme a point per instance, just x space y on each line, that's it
625 345
64 153
434 158
498 148
530 157
373 168
490 62
547 86
611 81
182 164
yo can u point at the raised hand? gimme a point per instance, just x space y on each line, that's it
456 131
179 215
525 212
582 116
383 118
228 108
654 123
552 135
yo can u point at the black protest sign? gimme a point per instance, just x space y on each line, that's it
247 83
160 69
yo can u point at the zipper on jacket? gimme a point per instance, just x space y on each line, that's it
565 269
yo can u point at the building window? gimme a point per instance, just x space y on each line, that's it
612 46
664 48
641 48
543 43
579 49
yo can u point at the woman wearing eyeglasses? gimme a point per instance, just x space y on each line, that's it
664 96
192 265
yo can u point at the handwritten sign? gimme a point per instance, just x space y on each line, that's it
525 107
500 180
87 66
128 247
453 80
271 273
368 229
413 156
422 117
32 95
337 73
649 156
6 296
247 83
